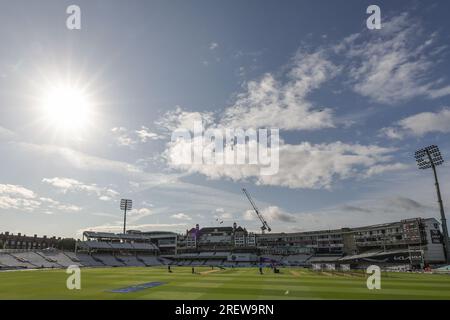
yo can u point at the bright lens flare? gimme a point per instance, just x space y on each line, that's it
67 108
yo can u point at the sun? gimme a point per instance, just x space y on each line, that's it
67 108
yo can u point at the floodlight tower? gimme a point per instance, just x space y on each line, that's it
430 157
125 204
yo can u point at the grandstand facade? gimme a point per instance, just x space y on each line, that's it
414 242
418 239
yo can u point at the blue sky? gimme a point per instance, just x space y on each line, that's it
352 105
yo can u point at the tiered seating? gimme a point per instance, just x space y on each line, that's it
273 257
108 260
188 255
144 246
121 246
164 261
206 254
95 245
150 260
228 264
185 263
8 260
60 258
72 257
222 254
35 259
243 264
88 261
131 261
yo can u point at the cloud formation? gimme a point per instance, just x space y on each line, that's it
284 105
65 185
23 199
419 125
394 64
125 137
181 216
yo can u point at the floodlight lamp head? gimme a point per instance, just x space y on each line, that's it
126 204
428 157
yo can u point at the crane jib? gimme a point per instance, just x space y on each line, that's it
265 225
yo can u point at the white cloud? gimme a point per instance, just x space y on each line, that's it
181 216
394 64
382 168
88 162
24 204
23 199
71 185
17 197
6 134
137 214
420 124
389 66
273 103
304 165
273 213
221 215
213 45
437 93
180 119
144 135
391 133
123 137
249 215
226 216
15 190
70 207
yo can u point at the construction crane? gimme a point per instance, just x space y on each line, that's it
264 226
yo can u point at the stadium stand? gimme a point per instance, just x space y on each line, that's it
72 257
121 246
323 258
58 257
131 261
109 260
296 260
88 260
144 246
164 261
95 245
150 260
35 259
9 261
412 242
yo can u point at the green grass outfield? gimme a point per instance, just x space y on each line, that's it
239 283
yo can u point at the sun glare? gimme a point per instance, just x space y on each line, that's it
67 108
